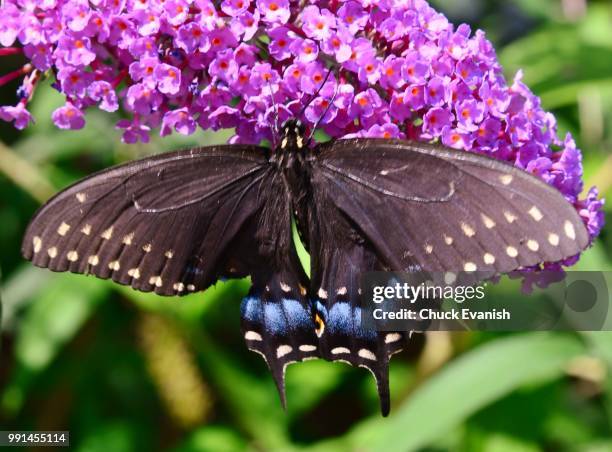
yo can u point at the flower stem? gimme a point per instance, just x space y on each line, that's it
11 51
26 69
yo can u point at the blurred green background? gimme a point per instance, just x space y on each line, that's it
125 371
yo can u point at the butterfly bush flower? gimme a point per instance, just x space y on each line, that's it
399 69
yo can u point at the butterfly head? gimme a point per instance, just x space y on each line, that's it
293 134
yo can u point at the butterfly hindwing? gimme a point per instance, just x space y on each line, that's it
277 318
160 224
340 258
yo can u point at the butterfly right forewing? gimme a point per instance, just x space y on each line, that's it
448 210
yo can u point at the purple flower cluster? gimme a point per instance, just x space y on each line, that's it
400 70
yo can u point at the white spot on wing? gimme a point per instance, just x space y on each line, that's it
308 348
342 291
448 240
533 245
569 230
106 235
285 287
86 229
340 350
506 179
428 248
134 273
470 267
450 277
253 336
322 293
52 252
63 229
37 243
191 287
147 248
392 337
489 259
155 281
510 217
72 256
81 197
468 230
169 254
366 354
553 239
114 265
93 260
488 222
536 214
179 287
283 350
127 240
384 172
511 251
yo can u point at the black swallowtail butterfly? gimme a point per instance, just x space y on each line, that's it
175 223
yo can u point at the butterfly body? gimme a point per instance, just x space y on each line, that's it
175 223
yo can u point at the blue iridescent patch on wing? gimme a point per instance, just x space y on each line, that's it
297 315
251 309
274 318
339 319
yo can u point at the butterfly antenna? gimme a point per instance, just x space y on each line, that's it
275 125
315 95
329 105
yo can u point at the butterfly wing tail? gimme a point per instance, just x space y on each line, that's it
277 323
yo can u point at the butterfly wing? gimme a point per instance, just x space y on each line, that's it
339 256
277 319
162 224
448 210
399 206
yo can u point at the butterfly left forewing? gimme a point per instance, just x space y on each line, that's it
159 224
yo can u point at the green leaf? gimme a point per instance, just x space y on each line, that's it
468 384
53 318
212 439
